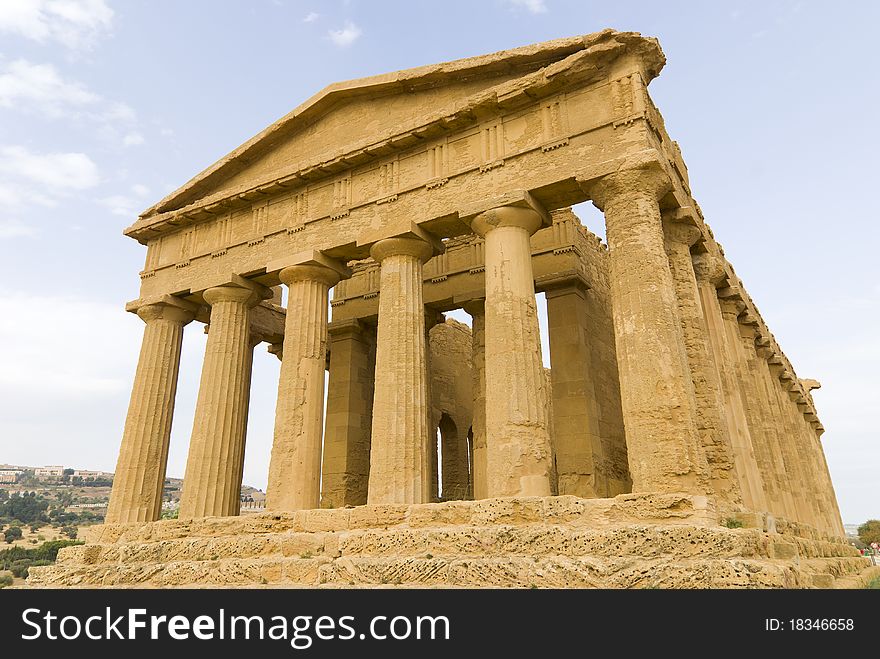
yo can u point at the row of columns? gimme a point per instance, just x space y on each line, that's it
704 410
511 440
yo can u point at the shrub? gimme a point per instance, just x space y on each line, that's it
732 523
5 580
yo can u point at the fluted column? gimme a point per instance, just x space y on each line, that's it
253 341
716 450
399 468
519 458
797 476
730 310
140 469
661 437
209 485
763 414
708 272
295 466
477 311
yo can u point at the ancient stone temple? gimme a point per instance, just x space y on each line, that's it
671 443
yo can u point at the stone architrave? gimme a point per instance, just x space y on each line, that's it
210 487
140 469
655 387
519 457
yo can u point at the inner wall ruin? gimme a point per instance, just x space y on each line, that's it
670 415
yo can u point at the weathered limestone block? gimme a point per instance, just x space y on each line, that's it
518 449
662 442
295 466
140 469
399 450
210 486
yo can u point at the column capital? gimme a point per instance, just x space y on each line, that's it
731 306
167 307
401 246
166 311
231 294
319 273
809 384
290 268
709 268
476 307
649 181
345 328
681 232
523 217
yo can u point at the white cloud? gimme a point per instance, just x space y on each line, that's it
16 229
91 357
133 139
76 24
25 84
126 205
532 6
346 36
56 171
311 17
120 205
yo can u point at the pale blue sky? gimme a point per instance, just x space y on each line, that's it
105 106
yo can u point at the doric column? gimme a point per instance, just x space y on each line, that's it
797 477
763 414
731 307
346 461
518 451
295 465
209 485
254 339
140 469
577 437
661 437
709 273
680 236
399 468
477 311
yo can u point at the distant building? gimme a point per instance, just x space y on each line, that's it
10 475
86 474
49 471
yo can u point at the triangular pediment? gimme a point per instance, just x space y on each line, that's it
347 116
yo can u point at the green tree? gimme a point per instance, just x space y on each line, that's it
12 534
870 531
70 531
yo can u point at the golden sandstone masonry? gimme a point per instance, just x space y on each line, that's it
670 445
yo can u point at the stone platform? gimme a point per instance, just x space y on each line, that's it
629 541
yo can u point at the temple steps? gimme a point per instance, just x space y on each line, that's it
521 543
